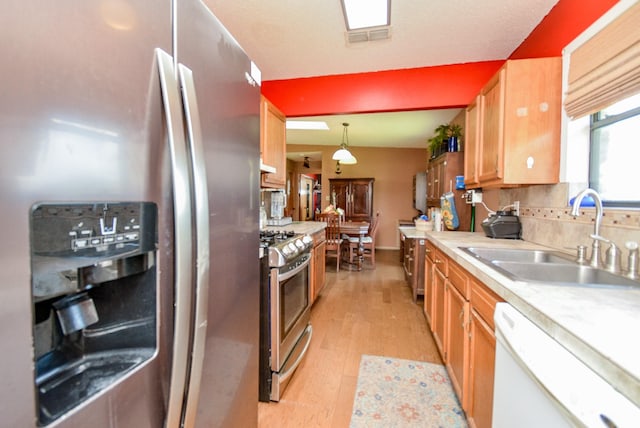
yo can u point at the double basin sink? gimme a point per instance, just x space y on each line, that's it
542 266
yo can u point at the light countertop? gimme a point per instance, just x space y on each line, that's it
600 326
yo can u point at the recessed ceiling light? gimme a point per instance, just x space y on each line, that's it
315 125
366 13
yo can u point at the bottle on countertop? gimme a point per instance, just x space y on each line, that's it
263 216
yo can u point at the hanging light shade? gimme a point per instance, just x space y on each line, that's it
343 155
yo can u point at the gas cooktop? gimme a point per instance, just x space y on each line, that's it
284 246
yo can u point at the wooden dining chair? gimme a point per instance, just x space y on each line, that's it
333 241
368 243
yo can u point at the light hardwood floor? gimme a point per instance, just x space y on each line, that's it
369 312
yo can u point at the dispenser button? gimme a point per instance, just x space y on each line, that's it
80 243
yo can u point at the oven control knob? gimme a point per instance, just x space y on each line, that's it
306 239
292 247
299 244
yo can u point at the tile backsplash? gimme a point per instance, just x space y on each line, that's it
546 219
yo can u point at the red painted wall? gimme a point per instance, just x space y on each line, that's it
407 89
428 87
566 21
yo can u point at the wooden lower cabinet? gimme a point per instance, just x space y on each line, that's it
318 260
460 310
482 355
438 320
428 280
457 349
413 262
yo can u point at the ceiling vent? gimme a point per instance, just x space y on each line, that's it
360 36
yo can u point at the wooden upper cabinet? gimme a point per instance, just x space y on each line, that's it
441 178
273 149
491 134
516 121
472 131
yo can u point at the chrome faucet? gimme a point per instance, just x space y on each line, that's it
596 259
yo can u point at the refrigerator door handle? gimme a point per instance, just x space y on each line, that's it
201 199
182 235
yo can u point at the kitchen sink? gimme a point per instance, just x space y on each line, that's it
512 255
542 266
558 273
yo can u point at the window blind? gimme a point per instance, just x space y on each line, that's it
606 68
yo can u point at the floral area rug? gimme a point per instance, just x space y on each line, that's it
403 393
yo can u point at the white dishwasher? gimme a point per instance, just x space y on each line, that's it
539 383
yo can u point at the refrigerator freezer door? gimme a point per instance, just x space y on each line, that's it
80 121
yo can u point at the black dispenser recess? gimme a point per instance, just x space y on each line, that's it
93 293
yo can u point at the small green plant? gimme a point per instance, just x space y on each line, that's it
455 130
441 135
437 139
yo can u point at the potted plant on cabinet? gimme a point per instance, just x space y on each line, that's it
438 143
454 136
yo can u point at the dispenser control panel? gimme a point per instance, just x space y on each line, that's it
93 229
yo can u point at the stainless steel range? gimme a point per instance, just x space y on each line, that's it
285 328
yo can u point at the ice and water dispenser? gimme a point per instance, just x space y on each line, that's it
93 289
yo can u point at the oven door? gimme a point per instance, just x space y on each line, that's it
290 310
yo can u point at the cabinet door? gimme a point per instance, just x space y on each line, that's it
473 122
482 355
273 144
354 196
532 119
439 311
409 261
319 268
340 194
491 148
457 345
428 281
431 177
361 203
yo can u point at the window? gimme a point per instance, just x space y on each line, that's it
614 167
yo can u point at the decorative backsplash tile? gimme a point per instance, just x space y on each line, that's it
546 218
610 217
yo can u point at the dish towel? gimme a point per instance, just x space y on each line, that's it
449 214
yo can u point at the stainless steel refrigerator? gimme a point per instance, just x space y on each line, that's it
129 194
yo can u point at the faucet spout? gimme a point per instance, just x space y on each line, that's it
596 259
575 211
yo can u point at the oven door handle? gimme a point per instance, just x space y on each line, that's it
297 270
289 369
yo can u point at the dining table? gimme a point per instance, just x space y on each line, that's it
359 229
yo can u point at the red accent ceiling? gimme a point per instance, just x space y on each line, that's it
425 88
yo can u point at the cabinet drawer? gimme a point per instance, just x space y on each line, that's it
441 262
318 237
483 301
430 250
459 279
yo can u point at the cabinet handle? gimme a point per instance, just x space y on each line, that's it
426 250
437 261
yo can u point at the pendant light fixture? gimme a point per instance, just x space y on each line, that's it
343 155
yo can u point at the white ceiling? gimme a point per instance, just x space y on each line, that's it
303 38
